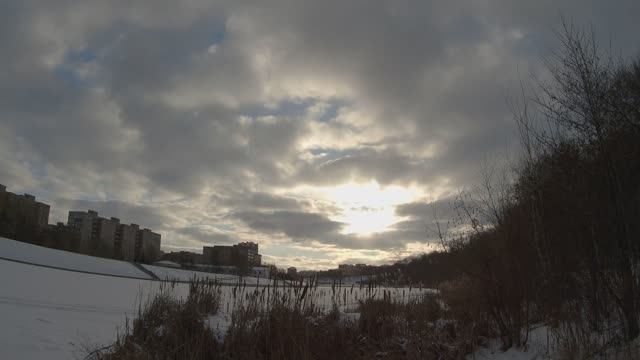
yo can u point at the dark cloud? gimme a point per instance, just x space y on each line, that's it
308 227
443 209
205 235
259 200
299 226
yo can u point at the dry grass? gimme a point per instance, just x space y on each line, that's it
167 328
290 323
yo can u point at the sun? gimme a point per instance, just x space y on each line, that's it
368 208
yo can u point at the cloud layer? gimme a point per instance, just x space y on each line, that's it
221 121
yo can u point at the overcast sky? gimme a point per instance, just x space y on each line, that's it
320 129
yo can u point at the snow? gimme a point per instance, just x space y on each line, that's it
49 313
537 348
166 273
167 263
53 314
20 251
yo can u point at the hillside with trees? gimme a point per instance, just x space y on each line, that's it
555 240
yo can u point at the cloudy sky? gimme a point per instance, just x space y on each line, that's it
320 129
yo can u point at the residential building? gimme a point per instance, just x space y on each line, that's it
60 236
147 246
22 210
354 269
251 251
125 241
184 257
242 254
97 234
108 237
219 255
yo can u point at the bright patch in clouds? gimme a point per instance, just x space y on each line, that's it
368 208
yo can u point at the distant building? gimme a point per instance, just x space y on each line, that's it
25 219
97 234
352 270
219 255
292 271
242 254
125 241
147 246
22 210
108 237
249 250
184 257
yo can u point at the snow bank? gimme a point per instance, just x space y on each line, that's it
20 251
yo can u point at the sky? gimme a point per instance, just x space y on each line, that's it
326 131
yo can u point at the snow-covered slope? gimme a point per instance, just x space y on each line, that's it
54 314
16 250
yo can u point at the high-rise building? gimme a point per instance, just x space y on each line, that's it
220 255
242 254
108 237
22 210
126 241
147 248
250 251
97 234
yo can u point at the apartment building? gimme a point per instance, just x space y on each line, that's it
97 234
108 237
147 248
241 254
125 241
22 210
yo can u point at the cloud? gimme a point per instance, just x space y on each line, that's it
145 216
123 106
205 235
299 226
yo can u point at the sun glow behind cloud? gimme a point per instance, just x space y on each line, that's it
368 208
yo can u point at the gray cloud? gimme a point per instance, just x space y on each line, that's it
259 200
297 225
202 117
205 235
145 216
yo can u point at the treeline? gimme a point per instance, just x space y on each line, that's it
559 242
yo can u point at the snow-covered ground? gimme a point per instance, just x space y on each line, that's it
48 313
167 273
52 314
538 347
21 251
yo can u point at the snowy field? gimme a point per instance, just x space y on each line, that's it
57 314
54 314
166 273
20 251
